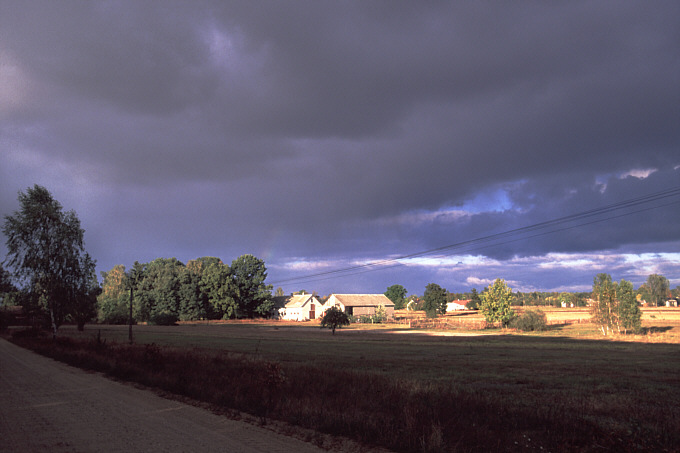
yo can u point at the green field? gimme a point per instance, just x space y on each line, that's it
624 390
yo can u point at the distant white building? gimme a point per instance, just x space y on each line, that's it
457 305
299 307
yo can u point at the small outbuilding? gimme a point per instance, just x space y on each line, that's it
360 304
298 307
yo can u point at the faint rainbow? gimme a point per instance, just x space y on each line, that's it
269 246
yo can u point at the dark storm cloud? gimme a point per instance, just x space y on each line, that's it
307 128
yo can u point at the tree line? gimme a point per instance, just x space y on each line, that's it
614 306
166 290
653 292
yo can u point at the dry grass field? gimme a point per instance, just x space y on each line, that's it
660 325
568 389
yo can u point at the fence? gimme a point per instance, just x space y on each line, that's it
442 323
446 323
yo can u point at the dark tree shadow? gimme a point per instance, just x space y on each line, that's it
655 329
556 327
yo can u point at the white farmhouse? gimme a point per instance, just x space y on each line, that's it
299 307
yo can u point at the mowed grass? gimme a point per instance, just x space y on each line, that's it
623 394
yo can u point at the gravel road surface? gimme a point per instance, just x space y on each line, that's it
49 406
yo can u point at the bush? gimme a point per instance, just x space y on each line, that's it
371 319
163 319
531 320
114 311
31 332
118 317
334 318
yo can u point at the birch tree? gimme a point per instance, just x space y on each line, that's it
615 309
47 256
604 311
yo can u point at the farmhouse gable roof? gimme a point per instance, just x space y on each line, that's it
462 301
293 301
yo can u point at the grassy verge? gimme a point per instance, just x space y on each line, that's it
408 392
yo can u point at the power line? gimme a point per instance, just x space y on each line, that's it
514 235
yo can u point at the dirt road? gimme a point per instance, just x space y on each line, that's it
49 406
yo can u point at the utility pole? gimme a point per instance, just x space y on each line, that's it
130 319
132 281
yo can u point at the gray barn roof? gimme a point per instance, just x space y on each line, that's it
363 300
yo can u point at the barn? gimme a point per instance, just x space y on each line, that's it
360 304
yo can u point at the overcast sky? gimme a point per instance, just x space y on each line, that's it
325 135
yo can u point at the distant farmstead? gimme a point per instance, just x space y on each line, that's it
360 304
299 307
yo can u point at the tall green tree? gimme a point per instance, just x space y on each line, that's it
194 302
657 287
156 289
247 286
113 301
629 313
216 285
496 302
46 252
475 301
163 279
397 294
435 300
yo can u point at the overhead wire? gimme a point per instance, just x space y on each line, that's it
502 238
